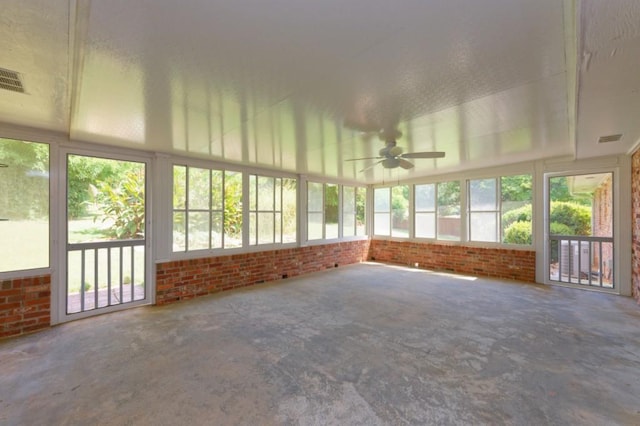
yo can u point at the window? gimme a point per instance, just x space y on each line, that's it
382 211
331 207
315 211
324 205
24 205
207 208
483 210
391 211
425 208
448 221
353 211
516 201
500 209
400 211
272 210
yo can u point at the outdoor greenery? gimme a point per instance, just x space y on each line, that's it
566 218
521 214
516 188
400 205
110 191
83 172
559 191
518 233
233 204
576 217
449 198
570 214
122 204
24 187
361 202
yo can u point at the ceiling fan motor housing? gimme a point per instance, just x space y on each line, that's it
390 163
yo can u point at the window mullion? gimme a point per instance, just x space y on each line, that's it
187 201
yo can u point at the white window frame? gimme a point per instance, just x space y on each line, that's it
497 211
186 210
278 209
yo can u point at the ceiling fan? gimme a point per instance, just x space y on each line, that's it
392 156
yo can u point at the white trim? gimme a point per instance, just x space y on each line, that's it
620 168
25 273
523 168
58 302
539 232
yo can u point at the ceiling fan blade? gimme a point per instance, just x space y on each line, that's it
364 158
405 164
431 154
370 166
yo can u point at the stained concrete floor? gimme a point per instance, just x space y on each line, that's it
364 344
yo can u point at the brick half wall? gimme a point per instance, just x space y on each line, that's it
488 262
25 305
185 279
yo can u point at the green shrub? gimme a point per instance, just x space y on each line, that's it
560 229
518 233
575 216
521 214
123 205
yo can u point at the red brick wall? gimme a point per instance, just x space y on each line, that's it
25 305
603 224
185 279
499 263
635 224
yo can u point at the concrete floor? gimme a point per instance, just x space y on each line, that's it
363 344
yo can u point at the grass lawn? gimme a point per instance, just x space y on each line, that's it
30 249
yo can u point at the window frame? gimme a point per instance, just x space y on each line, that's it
210 210
53 205
497 211
344 213
278 207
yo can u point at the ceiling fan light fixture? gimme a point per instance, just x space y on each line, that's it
395 151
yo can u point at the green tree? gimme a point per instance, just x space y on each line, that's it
516 188
233 204
400 203
83 172
449 198
24 182
361 201
122 203
559 191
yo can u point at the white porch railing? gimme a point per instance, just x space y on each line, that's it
104 273
582 260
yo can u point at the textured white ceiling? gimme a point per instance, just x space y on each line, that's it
609 95
281 83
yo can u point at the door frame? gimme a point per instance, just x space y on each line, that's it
59 290
620 167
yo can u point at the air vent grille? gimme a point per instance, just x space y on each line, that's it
610 138
10 80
